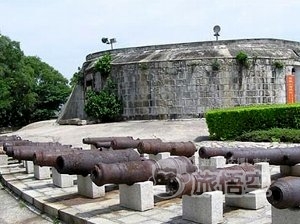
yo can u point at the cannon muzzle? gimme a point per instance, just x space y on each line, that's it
284 192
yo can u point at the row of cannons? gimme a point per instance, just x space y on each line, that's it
130 163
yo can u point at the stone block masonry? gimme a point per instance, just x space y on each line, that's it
185 80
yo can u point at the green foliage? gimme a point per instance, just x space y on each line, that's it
278 64
56 220
143 66
27 85
215 65
105 105
77 78
242 59
227 124
271 135
103 65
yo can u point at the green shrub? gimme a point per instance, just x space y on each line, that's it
215 65
271 135
103 65
225 124
242 59
278 65
104 105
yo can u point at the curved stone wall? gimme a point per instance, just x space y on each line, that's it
185 80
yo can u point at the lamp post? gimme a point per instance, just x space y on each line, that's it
217 29
110 41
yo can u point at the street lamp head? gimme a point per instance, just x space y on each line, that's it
105 40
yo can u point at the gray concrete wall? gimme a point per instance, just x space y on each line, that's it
187 88
178 80
74 107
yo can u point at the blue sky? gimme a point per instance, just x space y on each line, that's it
63 32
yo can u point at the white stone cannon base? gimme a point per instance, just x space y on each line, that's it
29 166
3 160
206 208
87 188
41 173
62 180
159 156
139 196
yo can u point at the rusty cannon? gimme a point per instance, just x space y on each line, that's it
27 152
187 149
139 171
49 157
236 179
103 142
275 156
131 143
284 192
82 163
9 146
6 138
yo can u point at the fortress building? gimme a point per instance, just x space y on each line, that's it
185 80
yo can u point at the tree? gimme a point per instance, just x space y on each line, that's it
30 89
50 87
104 105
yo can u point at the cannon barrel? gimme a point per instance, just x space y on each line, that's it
138 171
275 156
27 152
130 143
99 145
48 157
92 141
235 179
9 149
187 149
5 138
82 163
14 144
284 192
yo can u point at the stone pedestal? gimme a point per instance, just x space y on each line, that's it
87 188
62 180
286 216
42 173
29 166
206 208
3 160
265 175
213 162
159 156
139 196
253 200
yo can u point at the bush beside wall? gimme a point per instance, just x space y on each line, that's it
229 123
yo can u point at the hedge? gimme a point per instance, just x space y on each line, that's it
228 123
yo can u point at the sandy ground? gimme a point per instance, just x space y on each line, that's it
167 130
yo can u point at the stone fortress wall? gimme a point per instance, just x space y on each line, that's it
185 80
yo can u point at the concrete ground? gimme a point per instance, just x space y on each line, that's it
164 212
16 211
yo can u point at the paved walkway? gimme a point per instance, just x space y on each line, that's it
67 203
